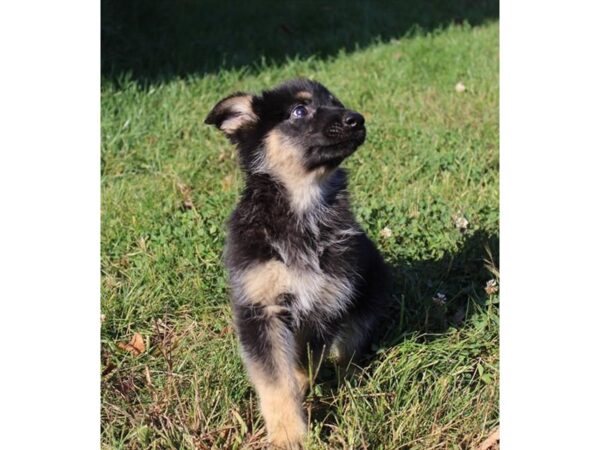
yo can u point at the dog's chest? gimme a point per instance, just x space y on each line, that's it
317 274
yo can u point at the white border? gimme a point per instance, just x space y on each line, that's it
550 151
50 224
49 236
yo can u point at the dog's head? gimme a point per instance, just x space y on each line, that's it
292 131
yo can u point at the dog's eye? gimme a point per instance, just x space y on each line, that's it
299 111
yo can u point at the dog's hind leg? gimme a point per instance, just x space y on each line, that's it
360 326
359 329
269 351
352 340
310 351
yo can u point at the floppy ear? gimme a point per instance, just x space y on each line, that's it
232 113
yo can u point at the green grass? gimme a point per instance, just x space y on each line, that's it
431 155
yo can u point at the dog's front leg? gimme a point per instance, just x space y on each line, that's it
268 348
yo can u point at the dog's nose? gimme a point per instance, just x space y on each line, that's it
353 119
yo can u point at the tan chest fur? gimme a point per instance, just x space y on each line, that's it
264 284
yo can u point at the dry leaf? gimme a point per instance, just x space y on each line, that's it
136 346
460 87
226 330
386 233
102 318
492 442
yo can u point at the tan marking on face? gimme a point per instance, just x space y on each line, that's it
265 282
284 160
243 114
304 95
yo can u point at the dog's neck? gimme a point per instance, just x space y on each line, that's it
306 195
306 192
281 159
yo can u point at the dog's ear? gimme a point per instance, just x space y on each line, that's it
233 113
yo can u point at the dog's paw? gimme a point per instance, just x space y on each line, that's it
288 435
286 446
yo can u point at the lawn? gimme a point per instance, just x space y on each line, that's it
424 187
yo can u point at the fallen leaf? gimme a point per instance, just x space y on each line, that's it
225 330
492 442
460 87
136 346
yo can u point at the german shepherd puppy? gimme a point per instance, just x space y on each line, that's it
304 276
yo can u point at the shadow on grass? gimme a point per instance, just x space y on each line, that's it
432 295
417 309
155 40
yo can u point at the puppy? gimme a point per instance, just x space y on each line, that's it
304 276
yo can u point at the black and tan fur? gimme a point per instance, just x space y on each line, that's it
304 276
